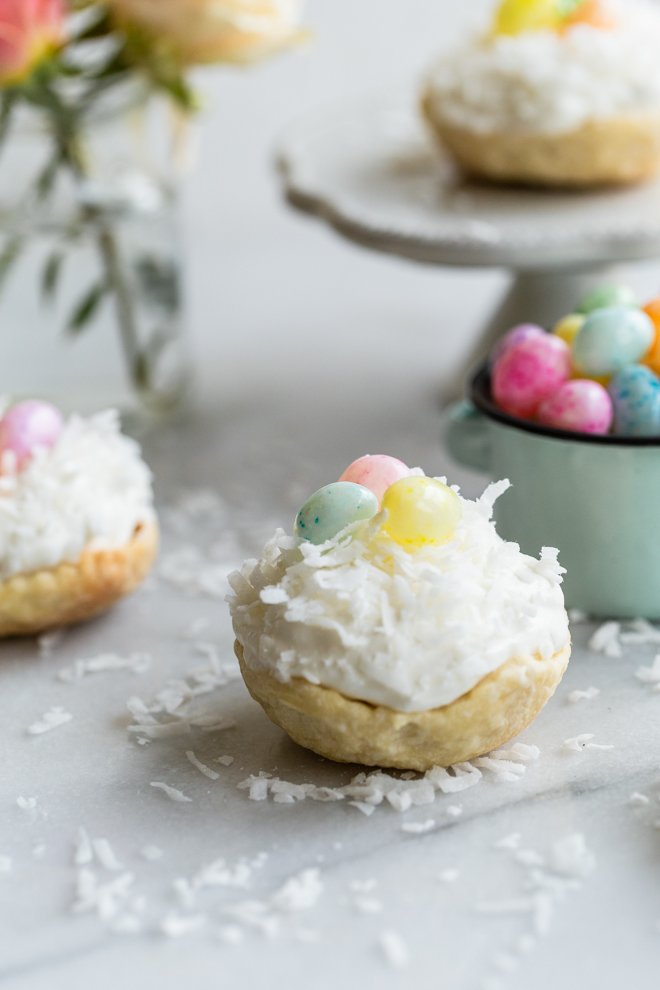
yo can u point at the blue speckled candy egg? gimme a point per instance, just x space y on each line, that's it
333 508
610 339
635 393
606 296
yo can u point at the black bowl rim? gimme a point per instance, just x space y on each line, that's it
480 396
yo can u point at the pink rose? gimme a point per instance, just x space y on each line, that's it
30 30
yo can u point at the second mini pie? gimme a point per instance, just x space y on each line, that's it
409 637
556 93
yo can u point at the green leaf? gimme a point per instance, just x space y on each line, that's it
7 101
46 180
51 274
8 256
86 309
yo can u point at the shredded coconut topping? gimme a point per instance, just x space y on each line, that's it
412 631
91 489
545 82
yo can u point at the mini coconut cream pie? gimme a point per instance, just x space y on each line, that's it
558 93
395 628
77 526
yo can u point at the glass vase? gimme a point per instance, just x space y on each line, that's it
90 263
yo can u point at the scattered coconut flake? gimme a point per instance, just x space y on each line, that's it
368 905
650 675
47 642
26 803
151 853
418 828
173 793
136 663
104 899
363 886
641 632
51 719
524 752
175 925
511 841
570 857
300 892
454 811
83 853
394 949
225 760
639 800
450 875
202 767
367 790
606 640
577 616
586 695
105 855
577 744
6 863
179 707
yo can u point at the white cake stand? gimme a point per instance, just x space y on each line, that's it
372 172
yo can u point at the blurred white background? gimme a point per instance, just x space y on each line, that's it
276 302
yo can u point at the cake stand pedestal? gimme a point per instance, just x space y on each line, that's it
371 171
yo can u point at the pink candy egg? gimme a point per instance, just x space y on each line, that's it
29 425
581 405
529 372
376 472
525 331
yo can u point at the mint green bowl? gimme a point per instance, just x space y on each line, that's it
595 498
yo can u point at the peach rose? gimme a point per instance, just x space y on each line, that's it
202 31
30 30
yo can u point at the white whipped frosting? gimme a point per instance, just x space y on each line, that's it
91 489
411 631
545 82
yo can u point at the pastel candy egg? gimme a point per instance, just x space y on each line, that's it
652 356
376 472
580 405
606 296
27 426
610 339
569 327
516 16
525 331
591 12
530 372
635 394
421 512
333 508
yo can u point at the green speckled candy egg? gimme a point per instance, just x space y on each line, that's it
605 296
333 508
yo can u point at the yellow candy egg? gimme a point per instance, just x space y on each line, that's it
421 512
517 16
569 327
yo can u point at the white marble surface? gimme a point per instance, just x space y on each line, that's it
312 352
595 930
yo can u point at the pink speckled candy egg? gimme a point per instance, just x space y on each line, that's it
529 372
581 405
376 472
29 425
524 331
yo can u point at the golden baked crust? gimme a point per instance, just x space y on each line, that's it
493 712
72 592
614 151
